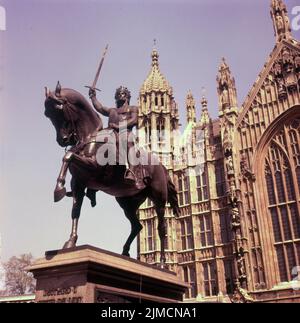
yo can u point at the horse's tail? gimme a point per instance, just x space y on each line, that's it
172 197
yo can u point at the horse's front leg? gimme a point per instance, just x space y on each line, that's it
78 195
82 161
60 190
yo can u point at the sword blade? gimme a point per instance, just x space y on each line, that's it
99 68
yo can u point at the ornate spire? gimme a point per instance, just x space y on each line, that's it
226 87
190 108
155 57
204 119
155 80
281 21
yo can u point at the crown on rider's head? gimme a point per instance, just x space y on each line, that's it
124 90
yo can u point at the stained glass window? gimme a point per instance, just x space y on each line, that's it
229 277
183 189
226 233
209 276
187 234
206 230
220 178
202 190
150 235
189 276
282 176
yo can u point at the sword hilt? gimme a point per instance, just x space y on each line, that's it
92 88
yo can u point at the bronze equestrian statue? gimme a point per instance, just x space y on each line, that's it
79 126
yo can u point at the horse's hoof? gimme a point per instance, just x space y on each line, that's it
126 254
91 194
59 194
71 243
93 203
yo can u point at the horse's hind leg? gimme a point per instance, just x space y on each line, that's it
159 195
78 196
161 228
130 206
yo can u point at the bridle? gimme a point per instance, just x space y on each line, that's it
61 103
67 110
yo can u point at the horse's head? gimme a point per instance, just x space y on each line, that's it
71 115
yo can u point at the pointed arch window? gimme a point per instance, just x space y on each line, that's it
282 178
148 132
160 129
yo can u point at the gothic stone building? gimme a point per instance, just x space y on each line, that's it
238 236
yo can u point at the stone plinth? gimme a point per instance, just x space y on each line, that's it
90 275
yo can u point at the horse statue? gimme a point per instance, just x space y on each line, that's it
78 125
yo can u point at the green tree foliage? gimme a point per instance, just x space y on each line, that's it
17 280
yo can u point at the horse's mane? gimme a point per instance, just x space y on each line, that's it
76 98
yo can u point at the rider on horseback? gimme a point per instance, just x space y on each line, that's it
122 119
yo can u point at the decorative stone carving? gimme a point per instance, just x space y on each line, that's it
279 23
277 70
226 87
280 20
245 170
241 295
229 165
297 64
282 93
286 72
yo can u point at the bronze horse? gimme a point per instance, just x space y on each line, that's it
77 125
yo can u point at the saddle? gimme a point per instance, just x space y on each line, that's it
111 138
105 135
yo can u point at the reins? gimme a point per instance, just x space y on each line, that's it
67 110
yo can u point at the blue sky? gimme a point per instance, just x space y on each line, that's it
50 40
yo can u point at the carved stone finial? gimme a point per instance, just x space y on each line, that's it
226 87
190 108
281 21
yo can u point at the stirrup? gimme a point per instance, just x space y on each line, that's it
129 175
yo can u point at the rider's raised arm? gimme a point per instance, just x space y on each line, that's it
97 105
133 120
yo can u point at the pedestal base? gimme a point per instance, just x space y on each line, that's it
87 274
